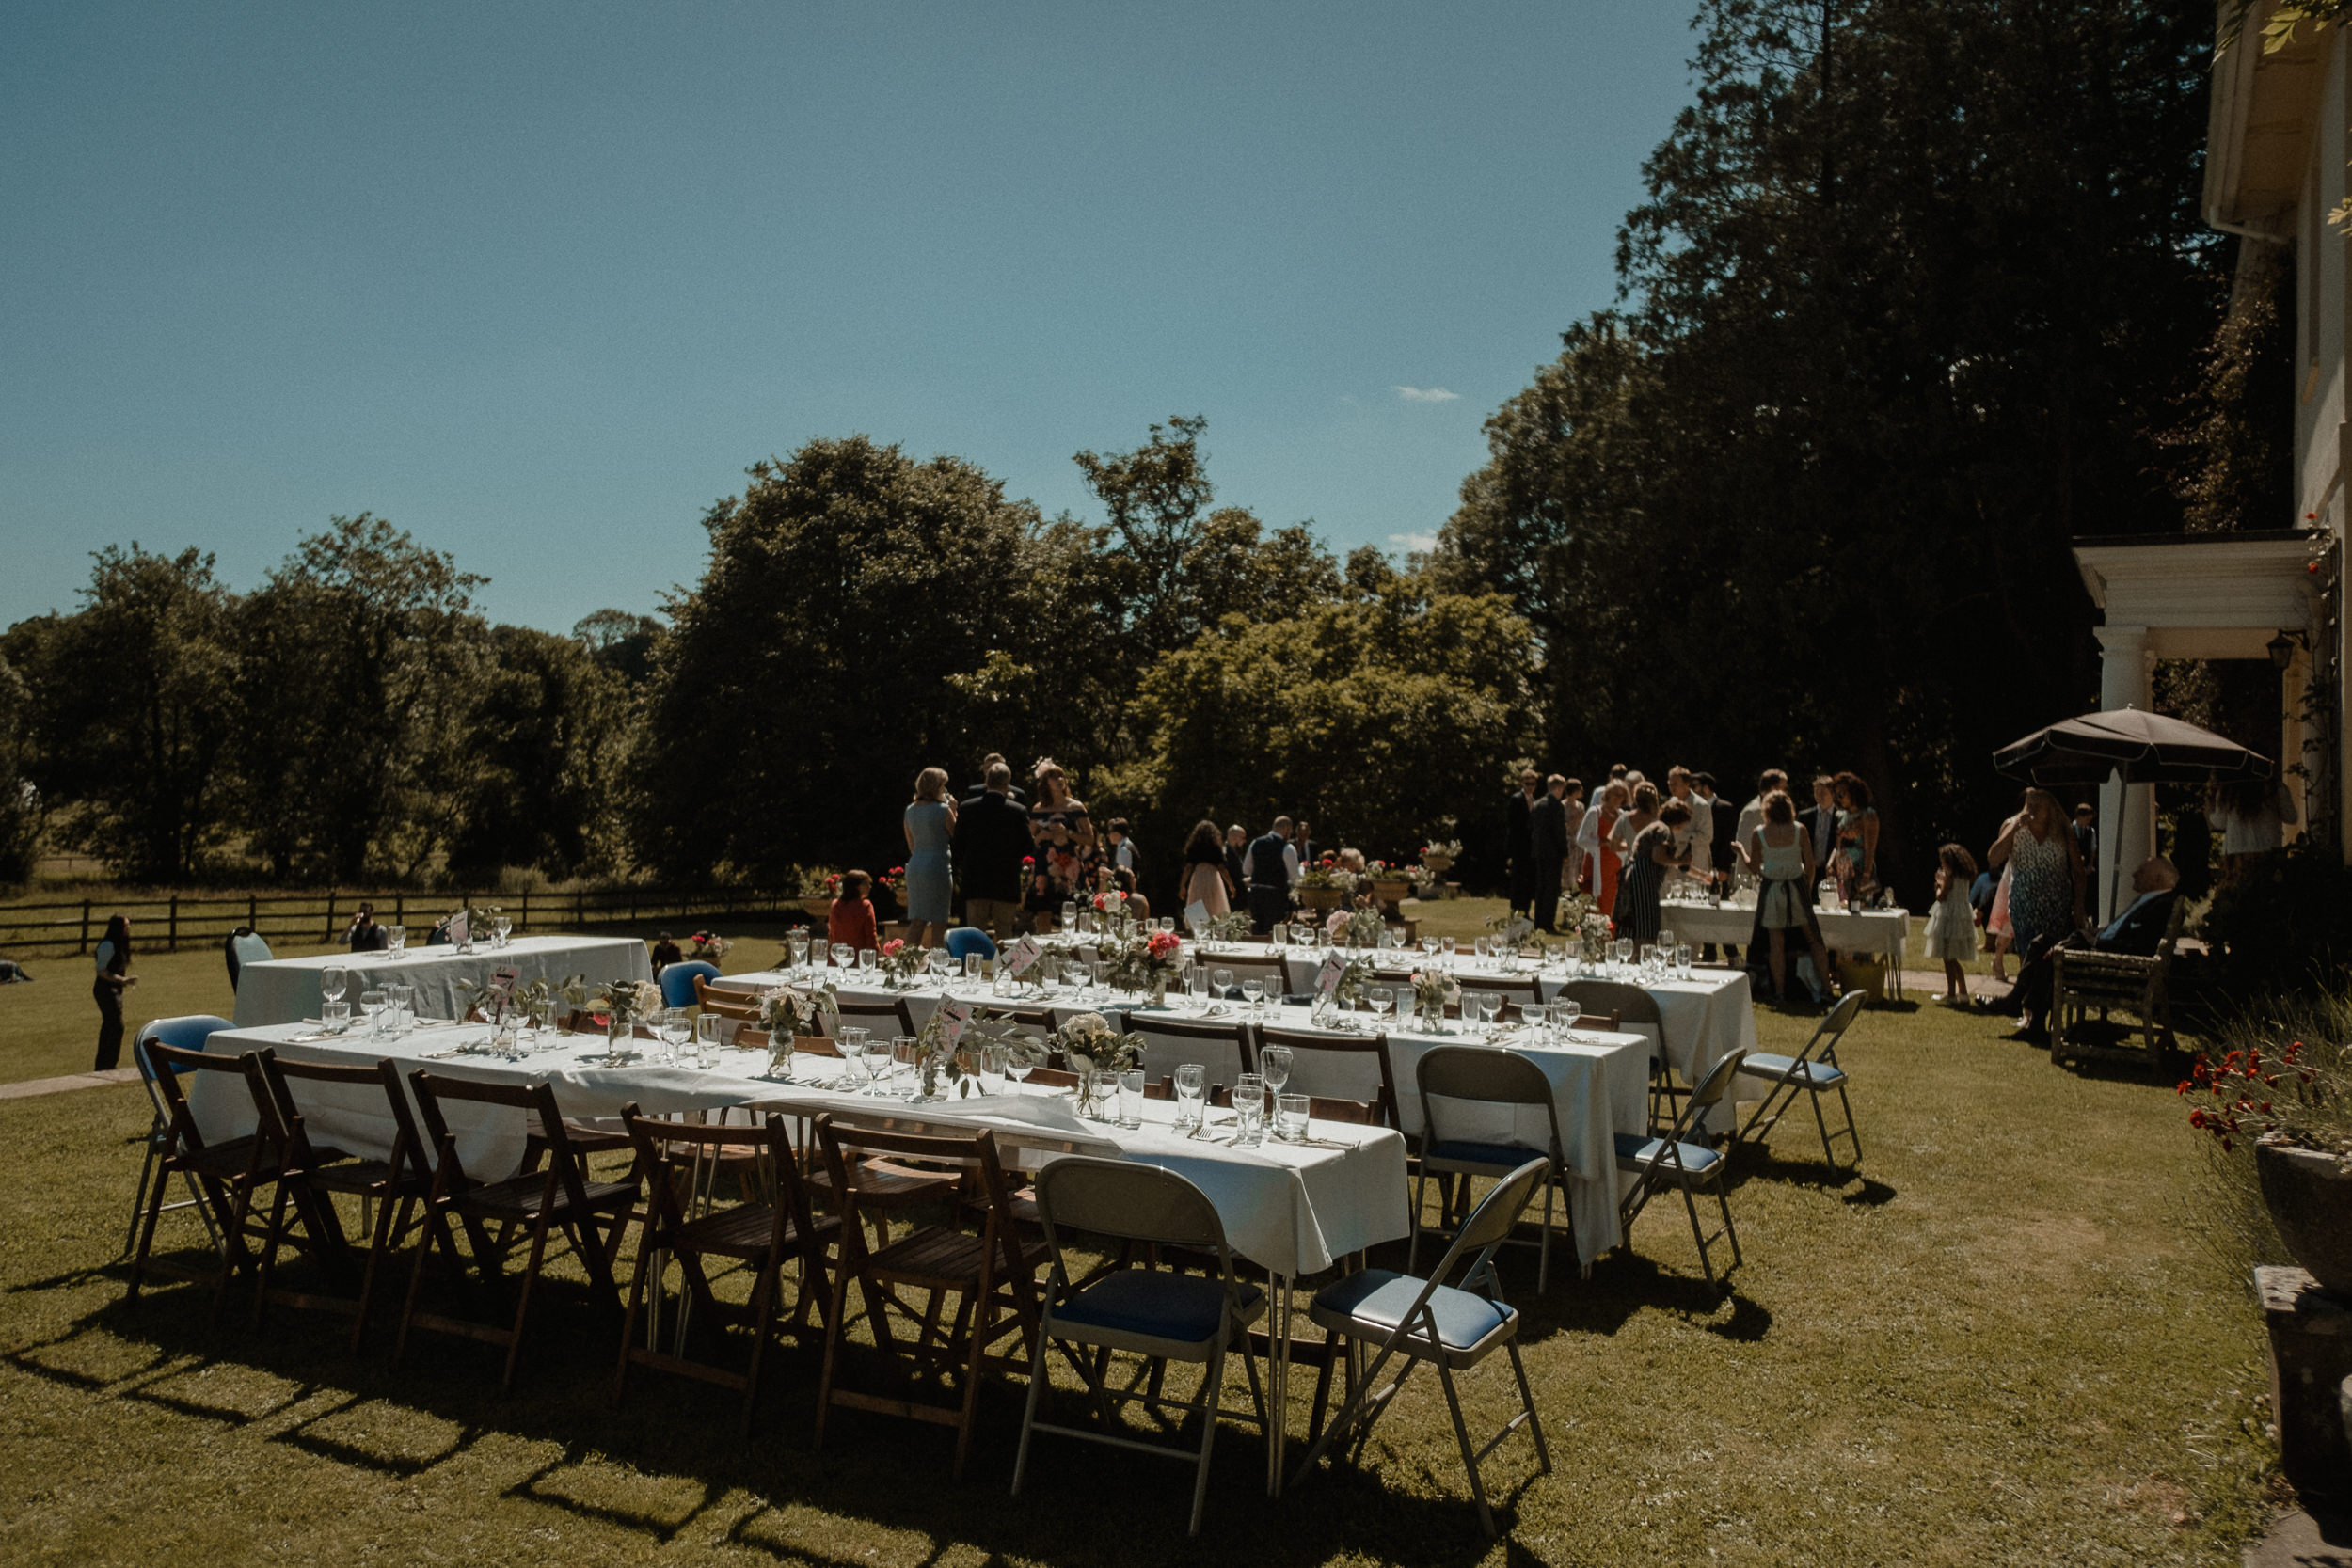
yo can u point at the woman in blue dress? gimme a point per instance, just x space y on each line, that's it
930 825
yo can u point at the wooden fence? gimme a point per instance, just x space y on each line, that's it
174 921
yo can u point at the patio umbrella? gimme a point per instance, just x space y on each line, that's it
2147 748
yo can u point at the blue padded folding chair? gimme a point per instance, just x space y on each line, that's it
677 982
1813 1070
244 947
1684 1159
1453 1328
188 1033
1157 1314
965 940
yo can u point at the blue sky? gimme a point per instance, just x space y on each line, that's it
537 282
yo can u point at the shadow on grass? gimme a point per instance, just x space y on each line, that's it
669 1460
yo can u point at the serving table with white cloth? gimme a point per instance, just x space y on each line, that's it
1293 1209
286 990
1886 931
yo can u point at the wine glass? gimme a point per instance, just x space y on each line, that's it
1017 1066
843 954
1253 991
675 1031
1565 1013
1666 940
1429 947
498 929
797 944
372 1010
1489 1009
332 984
1273 1065
1221 981
1395 935
877 1061
1382 997
1621 952
939 963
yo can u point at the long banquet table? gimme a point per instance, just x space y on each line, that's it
1293 1209
1886 931
286 990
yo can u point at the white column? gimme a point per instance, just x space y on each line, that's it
2128 814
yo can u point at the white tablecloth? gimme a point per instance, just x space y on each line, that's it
1886 931
1292 1208
286 990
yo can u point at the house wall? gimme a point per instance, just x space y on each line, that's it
2320 439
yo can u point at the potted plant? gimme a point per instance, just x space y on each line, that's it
1324 885
2298 1107
817 892
1437 856
1390 885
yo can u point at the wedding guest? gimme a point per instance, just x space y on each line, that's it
1723 849
1951 932
1207 880
1119 880
850 921
1123 853
930 824
1273 867
1700 835
1820 820
363 935
1655 851
1752 815
2254 815
1642 810
665 952
1548 843
1780 854
1516 842
1303 840
2137 928
1063 835
2047 877
2086 832
1572 868
1236 859
114 977
1605 861
990 840
1858 838
993 759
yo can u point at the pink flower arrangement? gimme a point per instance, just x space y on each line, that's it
1164 945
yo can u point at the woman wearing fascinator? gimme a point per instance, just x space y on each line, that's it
1064 835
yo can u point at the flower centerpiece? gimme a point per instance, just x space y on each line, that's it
1510 929
1147 964
708 947
1233 927
1432 992
624 1004
1098 1053
942 1050
790 1013
1324 884
1592 937
1358 926
477 918
901 961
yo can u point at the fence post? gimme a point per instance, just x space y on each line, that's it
579 909
84 947
172 943
331 915
400 915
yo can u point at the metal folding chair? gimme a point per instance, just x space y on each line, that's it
1815 1071
1682 1160
1453 1327
190 1032
1157 1314
1634 1007
1484 1075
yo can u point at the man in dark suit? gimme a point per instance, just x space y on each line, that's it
991 836
1516 842
1547 847
1821 820
2138 930
1272 861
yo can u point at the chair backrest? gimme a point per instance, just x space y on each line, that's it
251 948
1630 1003
1224 1049
1482 1233
680 982
1470 1073
533 1099
170 1062
965 940
865 1013
1822 1047
1517 987
189 1032
846 1141
1711 1088
665 1148
1127 1200
283 1074
1355 1068
1244 966
740 1006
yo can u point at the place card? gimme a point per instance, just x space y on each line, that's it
1327 981
1197 917
457 928
955 1017
1021 954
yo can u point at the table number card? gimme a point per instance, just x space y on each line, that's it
1021 954
1197 917
457 927
1327 981
955 1017
502 984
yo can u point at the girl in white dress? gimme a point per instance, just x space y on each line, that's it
1951 933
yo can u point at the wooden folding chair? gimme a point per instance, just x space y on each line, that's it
1338 1065
1275 973
562 1197
389 1190
759 1235
893 1016
993 1276
228 1176
740 1006
1224 1049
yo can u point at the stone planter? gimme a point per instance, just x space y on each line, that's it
1321 897
2309 1195
818 910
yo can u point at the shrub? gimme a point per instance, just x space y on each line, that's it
2283 924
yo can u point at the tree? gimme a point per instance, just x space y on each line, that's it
620 642
362 659
133 712
19 801
548 727
807 680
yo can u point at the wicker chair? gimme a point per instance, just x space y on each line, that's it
2085 982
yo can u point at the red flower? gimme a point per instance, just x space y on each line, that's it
891 949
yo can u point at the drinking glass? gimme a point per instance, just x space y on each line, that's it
1095 969
1018 1065
1168 923
972 967
843 954
1621 951
868 960
332 984
906 1056
1074 975
498 929
676 1029
1565 1013
1221 981
1069 913
1395 935
1278 934
1429 947
399 1005
850 1042
1533 1015
1489 1009
1130 1097
1451 949
1248 1110
1252 990
938 963
1190 1082
1483 947
372 1010
1382 997
1682 960
335 1016
992 1069
1289 1117
1196 987
396 941
875 1052
707 1041
1666 940
1273 1065
798 947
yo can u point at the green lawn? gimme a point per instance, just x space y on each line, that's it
1997 1346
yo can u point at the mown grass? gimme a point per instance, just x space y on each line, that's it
1996 1346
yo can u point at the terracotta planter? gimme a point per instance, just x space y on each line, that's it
2309 1195
1391 892
818 909
1322 897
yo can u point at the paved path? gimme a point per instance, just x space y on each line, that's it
2298 1541
70 1081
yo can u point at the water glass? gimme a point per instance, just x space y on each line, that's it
868 960
1069 913
1483 948
1451 950
335 1016
1273 1065
906 1058
399 1005
843 954
1191 1082
1278 933
1196 987
938 962
372 1010
396 941
1533 1016
707 1041
1666 940
332 984
1682 960
1130 1097
972 967
1249 1111
991 1066
851 1041
1289 1117
798 947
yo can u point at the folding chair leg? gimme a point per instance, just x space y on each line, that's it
1698 1234
1469 1459
391 1219
1212 1391
522 1304
1527 1399
763 1324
